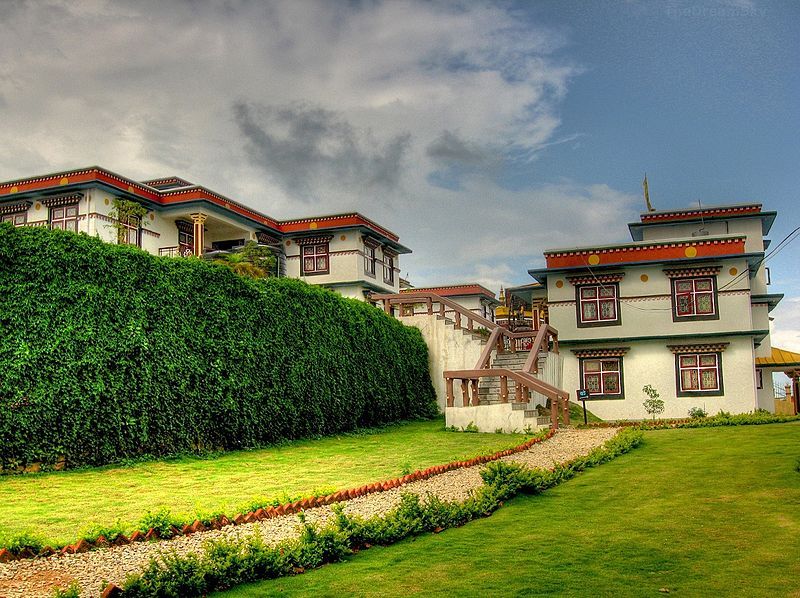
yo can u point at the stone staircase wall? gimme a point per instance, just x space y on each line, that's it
448 348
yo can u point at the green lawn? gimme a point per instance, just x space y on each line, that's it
58 506
699 512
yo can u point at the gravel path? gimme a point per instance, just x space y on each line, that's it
93 570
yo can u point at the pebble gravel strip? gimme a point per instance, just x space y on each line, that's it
36 578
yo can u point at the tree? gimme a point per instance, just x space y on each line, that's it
126 215
653 404
252 260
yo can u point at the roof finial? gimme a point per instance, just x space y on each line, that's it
647 194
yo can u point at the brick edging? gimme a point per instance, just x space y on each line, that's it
261 514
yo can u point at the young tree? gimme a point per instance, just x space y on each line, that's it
653 404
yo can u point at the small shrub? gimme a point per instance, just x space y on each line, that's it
18 542
73 591
161 522
697 413
109 532
471 428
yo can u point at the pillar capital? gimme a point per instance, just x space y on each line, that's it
199 217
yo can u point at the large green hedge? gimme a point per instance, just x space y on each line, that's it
107 353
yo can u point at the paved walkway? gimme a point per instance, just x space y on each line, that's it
38 577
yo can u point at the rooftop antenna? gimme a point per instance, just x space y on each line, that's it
646 188
702 232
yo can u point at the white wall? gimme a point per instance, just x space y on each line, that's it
651 362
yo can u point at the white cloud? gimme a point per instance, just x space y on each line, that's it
299 108
786 326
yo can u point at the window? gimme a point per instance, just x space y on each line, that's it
388 268
602 377
694 298
315 259
759 378
699 374
18 219
129 233
64 217
598 305
369 259
185 244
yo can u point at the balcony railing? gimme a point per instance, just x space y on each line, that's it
176 251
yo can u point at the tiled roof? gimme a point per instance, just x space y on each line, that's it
455 290
779 358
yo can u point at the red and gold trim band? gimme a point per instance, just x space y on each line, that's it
608 352
706 348
693 214
645 252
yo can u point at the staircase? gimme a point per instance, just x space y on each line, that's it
468 370
489 388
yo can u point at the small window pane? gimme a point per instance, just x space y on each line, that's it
689 380
607 292
591 366
308 264
688 360
321 249
608 310
308 250
704 284
322 263
592 383
72 210
611 366
683 286
611 383
589 293
589 311
708 360
708 379
705 304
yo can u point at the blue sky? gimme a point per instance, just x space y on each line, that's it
481 132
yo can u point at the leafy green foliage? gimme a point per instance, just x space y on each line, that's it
226 563
252 260
110 353
698 412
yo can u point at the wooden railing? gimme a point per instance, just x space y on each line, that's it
500 340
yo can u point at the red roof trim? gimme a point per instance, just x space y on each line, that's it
645 252
194 193
679 215
454 290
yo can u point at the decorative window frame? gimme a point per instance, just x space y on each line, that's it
600 286
370 257
389 266
698 351
70 215
16 214
603 355
682 274
759 378
317 242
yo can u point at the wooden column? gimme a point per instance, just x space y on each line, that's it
504 389
199 219
449 386
475 398
465 393
554 413
565 410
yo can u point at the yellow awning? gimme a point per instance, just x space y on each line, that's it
780 358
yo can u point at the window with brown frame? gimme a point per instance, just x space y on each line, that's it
129 234
316 259
17 219
699 374
369 259
598 305
602 377
64 217
694 298
388 269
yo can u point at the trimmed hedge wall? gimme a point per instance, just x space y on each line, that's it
108 353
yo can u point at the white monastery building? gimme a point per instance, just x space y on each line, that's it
348 253
684 307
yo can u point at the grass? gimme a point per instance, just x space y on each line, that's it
58 507
697 512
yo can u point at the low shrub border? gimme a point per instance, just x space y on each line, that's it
227 563
161 526
721 419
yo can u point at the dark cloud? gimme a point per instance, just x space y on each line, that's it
308 149
450 149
